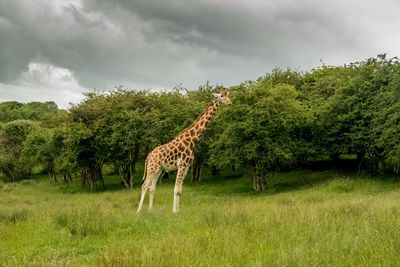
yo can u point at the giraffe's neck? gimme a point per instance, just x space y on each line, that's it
196 129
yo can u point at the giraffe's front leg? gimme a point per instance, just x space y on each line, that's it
182 170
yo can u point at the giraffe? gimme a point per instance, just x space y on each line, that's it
178 153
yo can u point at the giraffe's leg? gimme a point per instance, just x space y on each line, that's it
145 187
182 170
144 191
152 188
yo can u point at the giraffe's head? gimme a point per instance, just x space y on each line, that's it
223 96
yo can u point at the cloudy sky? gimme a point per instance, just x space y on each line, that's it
55 50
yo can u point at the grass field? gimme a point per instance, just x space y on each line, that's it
309 218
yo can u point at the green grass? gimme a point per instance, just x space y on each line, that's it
326 218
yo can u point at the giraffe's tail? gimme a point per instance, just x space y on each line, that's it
145 169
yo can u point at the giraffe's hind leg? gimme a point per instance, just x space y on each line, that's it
152 188
145 188
149 185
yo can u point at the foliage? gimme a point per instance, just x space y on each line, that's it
263 129
285 118
12 136
13 110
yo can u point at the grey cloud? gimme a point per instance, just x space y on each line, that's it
158 44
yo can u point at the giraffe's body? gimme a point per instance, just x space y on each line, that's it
178 153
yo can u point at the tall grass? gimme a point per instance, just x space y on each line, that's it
309 218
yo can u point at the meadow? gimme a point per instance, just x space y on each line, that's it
308 218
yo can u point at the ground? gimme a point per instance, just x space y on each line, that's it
317 218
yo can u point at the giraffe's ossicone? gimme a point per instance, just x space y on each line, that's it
178 153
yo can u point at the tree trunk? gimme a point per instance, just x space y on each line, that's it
214 170
123 173
360 159
83 177
101 178
52 176
127 169
90 176
9 174
259 182
260 177
381 164
197 167
132 170
12 176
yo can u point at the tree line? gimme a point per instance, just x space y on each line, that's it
283 119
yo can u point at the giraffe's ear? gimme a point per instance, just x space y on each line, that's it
216 95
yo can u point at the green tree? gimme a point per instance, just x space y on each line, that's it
128 123
12 136
323 94
385 126
13 110
262 130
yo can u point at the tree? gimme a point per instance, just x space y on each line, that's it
13 110
12 136
385 122
345 103
262 130
128 126
323 94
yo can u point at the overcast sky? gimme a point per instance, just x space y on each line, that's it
55 50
